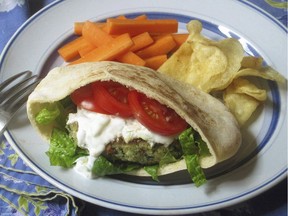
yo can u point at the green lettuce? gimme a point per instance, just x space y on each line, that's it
103 167
56 113
153 169
193 148
63 150
48 114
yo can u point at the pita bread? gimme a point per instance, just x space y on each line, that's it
206 114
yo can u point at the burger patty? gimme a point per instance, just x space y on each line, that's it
141 152
136 151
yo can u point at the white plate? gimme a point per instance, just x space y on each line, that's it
261 162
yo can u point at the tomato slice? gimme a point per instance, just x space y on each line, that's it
115 99
155 116
84 98
112 97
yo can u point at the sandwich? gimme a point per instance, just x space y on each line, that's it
107 118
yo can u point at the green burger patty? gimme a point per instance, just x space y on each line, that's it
141 152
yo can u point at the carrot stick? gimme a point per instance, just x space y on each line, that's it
141 17
161 46
134 27
79 25
156 61
105 29
98 37
69 51
140 41
78 28
108 51
121 17
131 58
86 50
158 36
95 35
180 38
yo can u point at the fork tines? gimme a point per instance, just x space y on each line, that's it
15 90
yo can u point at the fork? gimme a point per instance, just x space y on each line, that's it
14 93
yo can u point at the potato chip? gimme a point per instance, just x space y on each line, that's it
205 60
267 73
214 66
252 62
242 98
241 106
206 64
243 86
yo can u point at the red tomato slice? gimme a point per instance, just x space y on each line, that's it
84 98
112 97
155 116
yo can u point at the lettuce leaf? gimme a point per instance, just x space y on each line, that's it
63 150
168 158
56 112
202 146
193 148
153 171
195 170
48 114
103 167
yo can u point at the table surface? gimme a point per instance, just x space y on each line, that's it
41 198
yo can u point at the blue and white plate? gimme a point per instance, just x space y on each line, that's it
261 161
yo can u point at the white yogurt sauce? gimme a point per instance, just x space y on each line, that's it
84 166
96 130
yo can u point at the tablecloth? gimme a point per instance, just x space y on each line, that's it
23 192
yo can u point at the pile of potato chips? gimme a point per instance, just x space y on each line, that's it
214 66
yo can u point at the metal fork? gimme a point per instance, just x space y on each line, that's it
14 93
